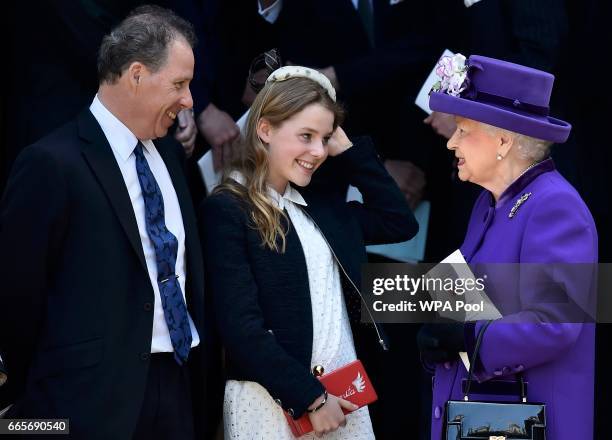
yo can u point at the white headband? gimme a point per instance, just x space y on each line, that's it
287 72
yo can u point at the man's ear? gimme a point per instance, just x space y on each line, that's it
135 73
264 129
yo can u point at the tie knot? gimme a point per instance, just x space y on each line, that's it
138 149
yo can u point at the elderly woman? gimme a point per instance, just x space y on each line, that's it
527 213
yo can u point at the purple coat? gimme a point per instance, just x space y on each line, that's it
552 226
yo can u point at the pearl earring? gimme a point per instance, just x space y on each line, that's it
499 156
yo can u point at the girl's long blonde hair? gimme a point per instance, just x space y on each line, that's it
276 102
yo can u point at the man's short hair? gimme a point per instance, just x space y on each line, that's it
144 36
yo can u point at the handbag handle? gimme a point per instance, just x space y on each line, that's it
473 362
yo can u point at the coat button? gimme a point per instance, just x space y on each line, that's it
447 365
147 307
278 402
145 356
271 332
290 412
437 412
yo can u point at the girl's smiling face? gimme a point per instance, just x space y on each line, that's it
298 146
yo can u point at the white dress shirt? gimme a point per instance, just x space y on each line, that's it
123 142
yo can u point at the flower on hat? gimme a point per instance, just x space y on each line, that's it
453 74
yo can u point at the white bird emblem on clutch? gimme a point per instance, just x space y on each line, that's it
359 383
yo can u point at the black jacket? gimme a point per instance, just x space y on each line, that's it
58 61
262 299
77 315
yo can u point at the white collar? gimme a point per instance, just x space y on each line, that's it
121 139
291 194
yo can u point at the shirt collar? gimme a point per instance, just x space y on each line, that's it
525 179
120 138
291 194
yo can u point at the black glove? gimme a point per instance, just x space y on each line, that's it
441 342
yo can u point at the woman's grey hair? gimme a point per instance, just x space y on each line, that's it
529 148
144 36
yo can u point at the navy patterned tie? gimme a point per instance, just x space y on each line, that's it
166 247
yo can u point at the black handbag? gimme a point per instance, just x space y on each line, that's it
470 420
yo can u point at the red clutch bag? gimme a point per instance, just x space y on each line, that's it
349 382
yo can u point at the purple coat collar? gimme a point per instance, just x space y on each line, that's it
475 235
513 191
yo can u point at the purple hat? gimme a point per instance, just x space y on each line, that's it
498 93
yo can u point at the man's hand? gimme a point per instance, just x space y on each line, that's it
409 178
219 130
330 417
248 95
442 123
186 132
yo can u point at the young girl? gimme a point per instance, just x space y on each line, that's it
283 265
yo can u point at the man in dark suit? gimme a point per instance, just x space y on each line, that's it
374 51
376 61
102 316
57 59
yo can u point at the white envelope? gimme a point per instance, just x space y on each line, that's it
422 99
462 269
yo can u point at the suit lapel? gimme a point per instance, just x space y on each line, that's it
98 153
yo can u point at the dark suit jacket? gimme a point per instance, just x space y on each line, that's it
320 33
377 84
528 32
76 316
262 298
58 60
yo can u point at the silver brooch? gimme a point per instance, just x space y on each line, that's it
518 204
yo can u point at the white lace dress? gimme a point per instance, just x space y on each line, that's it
249 411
